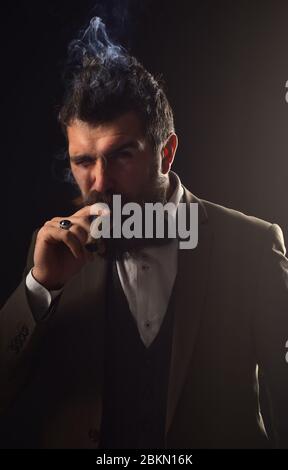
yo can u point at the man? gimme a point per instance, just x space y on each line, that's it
146 345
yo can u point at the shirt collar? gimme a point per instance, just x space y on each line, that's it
178 192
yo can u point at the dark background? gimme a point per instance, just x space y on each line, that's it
225 65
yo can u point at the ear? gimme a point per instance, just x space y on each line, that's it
168 152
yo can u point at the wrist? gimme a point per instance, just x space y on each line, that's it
40 277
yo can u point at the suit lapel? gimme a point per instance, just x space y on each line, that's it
190 287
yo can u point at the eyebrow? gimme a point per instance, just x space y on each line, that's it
131 144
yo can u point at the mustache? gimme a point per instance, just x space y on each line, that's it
154 192
94 196
106 198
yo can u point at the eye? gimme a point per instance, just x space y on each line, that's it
85 162
121 155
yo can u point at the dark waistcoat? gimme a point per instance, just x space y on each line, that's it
136 377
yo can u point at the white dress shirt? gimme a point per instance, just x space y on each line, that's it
147 279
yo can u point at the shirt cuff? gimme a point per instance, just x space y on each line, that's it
39 297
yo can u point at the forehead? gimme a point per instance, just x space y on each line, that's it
82 137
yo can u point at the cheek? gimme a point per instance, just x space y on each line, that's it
81 177
137 183
133 175
140 168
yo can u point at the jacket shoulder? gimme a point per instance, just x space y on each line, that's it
226 217
235 227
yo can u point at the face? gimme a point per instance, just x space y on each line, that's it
116 158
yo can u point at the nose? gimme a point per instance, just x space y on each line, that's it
101 179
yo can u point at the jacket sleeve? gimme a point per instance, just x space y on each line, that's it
271 330
19 336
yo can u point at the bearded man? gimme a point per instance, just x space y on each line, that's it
140 344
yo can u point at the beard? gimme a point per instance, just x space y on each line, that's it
155 191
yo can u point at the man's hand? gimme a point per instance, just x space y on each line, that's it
59 254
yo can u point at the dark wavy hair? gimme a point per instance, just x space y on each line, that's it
104 82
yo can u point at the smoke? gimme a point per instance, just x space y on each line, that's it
117 14
61 171
113 22
95 43
122 18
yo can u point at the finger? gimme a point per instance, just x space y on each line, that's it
79 228
53 234
82 235
84 212
95 209
83 222
74 245
99 208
